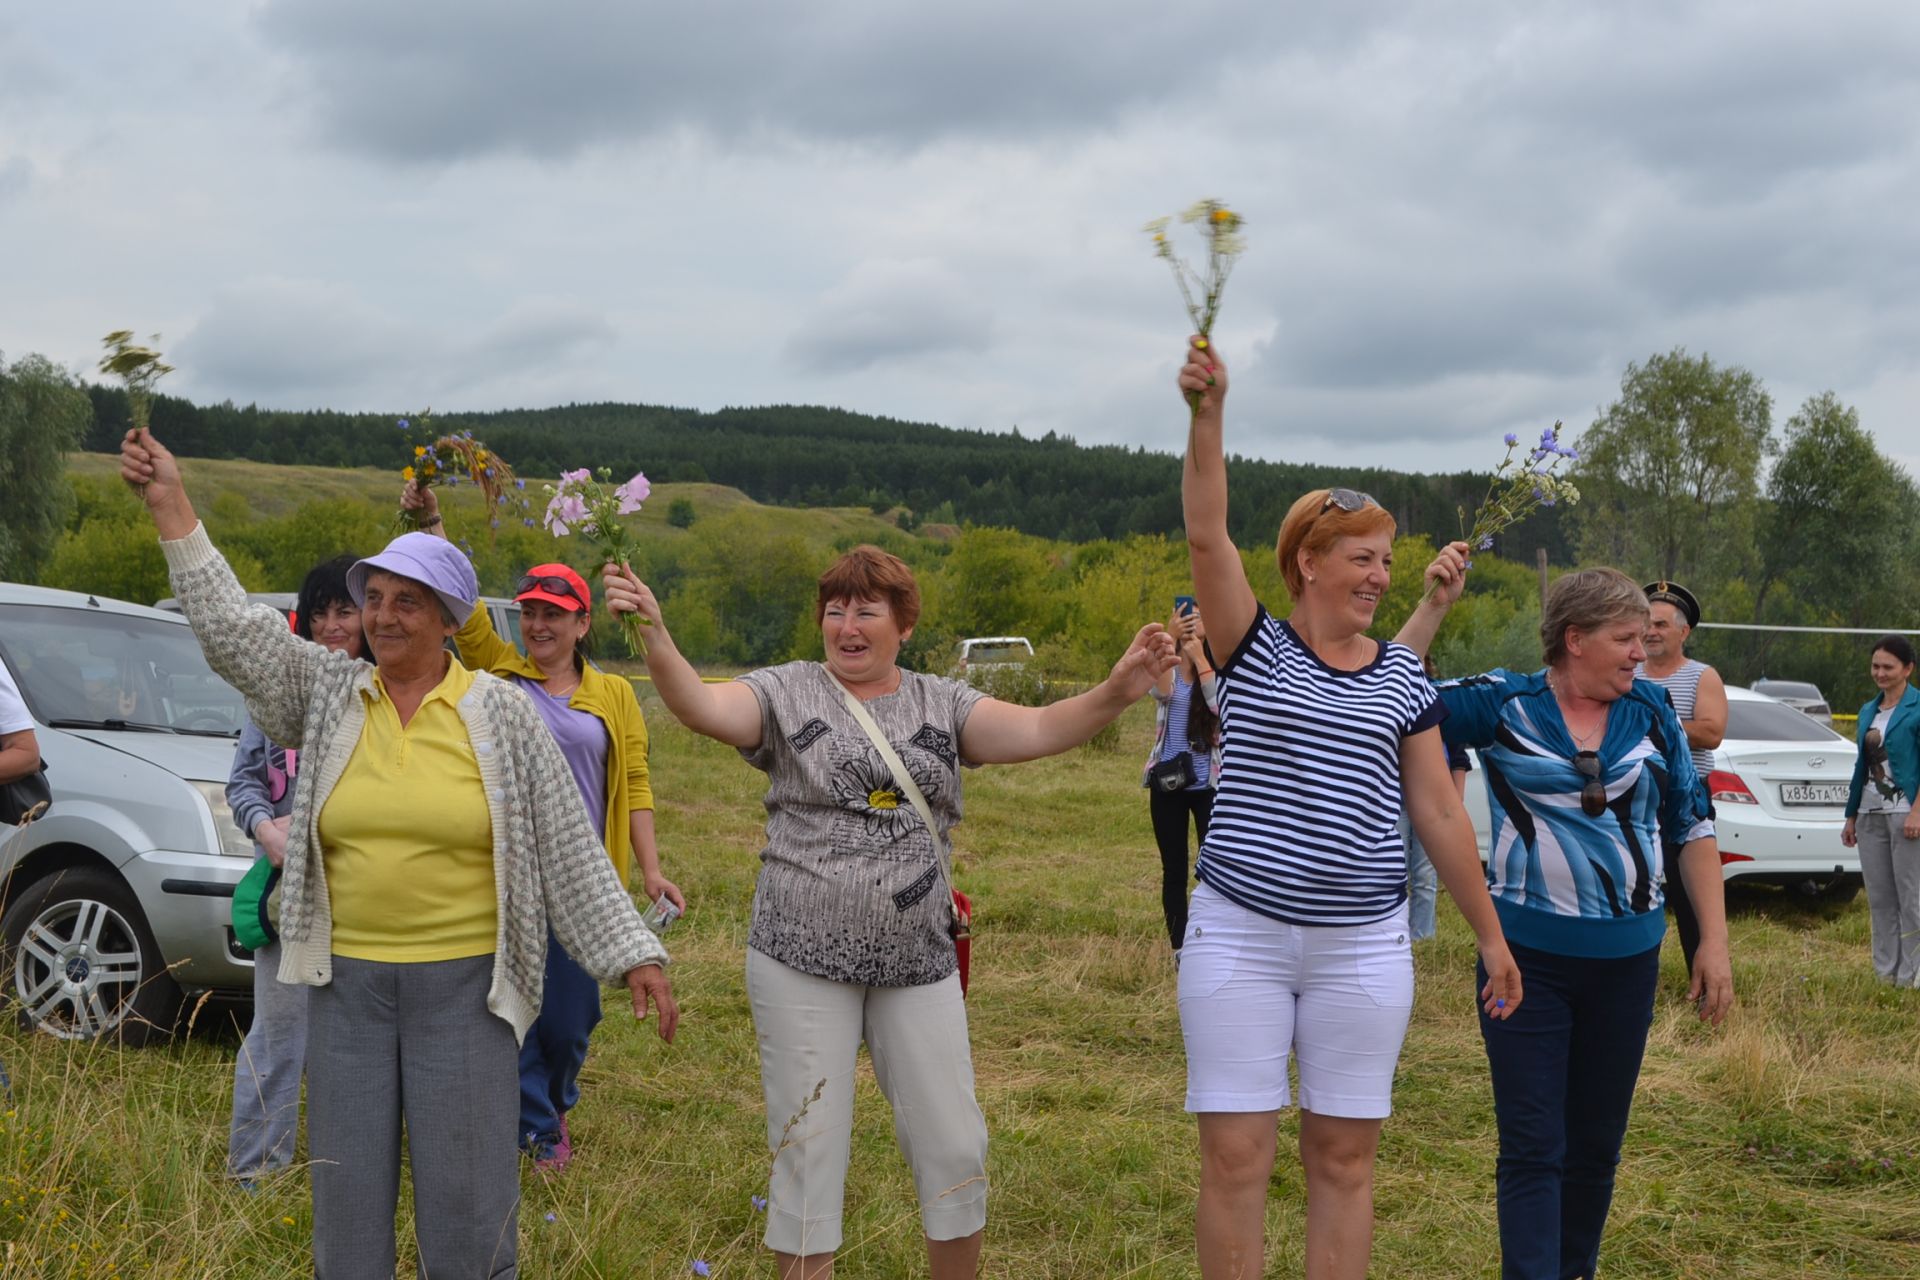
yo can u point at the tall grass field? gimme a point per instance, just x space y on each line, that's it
1784 1145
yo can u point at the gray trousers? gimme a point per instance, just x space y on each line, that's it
810 1030
412 1042
1890 864
266 1074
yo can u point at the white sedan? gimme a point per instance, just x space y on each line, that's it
1779 785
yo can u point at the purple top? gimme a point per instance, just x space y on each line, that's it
583 741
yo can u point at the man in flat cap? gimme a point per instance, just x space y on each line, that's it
1700 698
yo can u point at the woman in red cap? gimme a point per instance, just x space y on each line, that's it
597 722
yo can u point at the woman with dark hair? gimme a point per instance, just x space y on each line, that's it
596 721
852 936
267 1070
1183 768
1881 819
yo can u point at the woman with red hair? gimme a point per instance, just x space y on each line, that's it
1297 938
852 935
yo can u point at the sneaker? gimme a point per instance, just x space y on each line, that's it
553 1157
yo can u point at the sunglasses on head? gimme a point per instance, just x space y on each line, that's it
1593 792
553 586
1346 500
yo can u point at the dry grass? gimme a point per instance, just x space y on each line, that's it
1786 1145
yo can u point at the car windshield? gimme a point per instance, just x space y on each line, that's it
88 667
1774 722
1788 689
998 653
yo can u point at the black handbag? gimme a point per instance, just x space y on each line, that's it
24 799
1172 775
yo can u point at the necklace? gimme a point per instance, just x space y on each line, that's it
1579 739
560 695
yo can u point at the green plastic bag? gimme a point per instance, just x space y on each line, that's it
255 906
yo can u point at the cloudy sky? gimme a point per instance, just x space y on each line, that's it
1464 217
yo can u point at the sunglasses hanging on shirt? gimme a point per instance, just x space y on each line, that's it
1593 792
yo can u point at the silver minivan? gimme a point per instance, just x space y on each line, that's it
117 902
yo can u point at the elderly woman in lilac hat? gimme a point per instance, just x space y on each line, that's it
439 837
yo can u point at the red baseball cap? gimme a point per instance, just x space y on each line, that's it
557 584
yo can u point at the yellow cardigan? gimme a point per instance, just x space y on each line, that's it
607 698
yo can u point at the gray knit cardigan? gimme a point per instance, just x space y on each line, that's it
548 865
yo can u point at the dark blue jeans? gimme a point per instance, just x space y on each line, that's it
556 1048
1564 1067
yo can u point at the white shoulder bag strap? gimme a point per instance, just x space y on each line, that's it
900 776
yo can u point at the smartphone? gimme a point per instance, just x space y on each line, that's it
1183 604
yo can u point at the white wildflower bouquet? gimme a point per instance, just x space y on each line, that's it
1202 290
139 367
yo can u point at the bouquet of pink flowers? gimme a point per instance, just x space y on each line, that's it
592 507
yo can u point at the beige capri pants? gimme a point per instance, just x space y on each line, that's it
810 1031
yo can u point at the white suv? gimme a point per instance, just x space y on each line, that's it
988 652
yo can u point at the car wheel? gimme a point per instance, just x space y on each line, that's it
81 962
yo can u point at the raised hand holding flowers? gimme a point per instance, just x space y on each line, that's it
139 367
592 508
445 460
1220 226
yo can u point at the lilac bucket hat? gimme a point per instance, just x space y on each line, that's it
426 559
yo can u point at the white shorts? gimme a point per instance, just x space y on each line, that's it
1254 989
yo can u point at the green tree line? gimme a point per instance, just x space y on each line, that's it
1685 476
800 455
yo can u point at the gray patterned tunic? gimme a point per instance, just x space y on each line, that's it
848 888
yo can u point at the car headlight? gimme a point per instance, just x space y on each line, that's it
233 841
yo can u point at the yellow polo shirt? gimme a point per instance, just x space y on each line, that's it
608 699
407 838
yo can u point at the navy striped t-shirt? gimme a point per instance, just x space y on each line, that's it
1306 820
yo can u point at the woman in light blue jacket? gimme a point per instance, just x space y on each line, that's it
1881 819
266 1073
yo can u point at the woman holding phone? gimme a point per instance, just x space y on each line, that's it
1184 766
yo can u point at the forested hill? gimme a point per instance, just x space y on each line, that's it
802 455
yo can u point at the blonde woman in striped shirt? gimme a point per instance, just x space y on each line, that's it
1297 940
